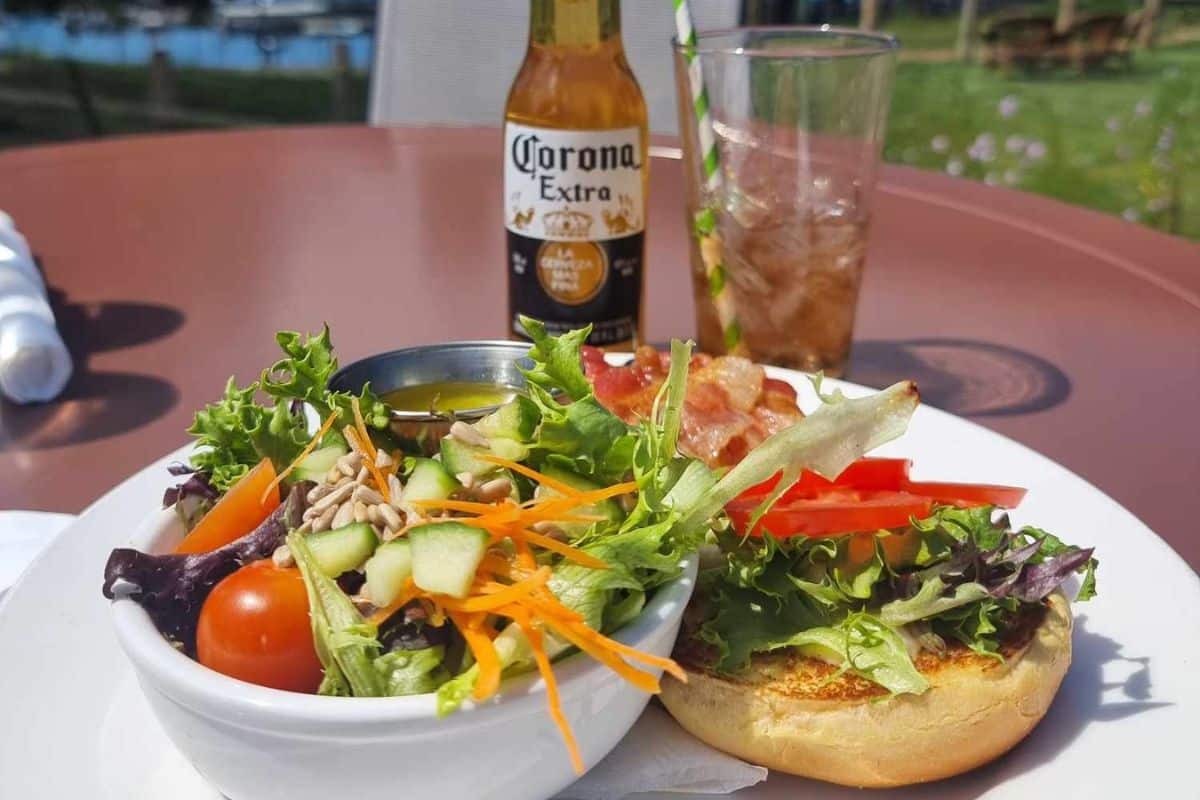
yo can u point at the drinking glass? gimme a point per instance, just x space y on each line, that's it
781 210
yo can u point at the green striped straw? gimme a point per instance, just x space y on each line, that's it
704 223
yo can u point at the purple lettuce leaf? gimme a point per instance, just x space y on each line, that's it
173 587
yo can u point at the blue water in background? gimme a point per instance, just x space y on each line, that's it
187 46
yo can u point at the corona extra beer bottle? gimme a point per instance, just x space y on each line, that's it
575 172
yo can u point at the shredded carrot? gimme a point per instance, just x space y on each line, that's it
407 594
368 445
548 606
305 453
352 436
497 564
642 680
534 636
525 559
596 495
563 549
552 609
488 682
505 595
533 474
460 505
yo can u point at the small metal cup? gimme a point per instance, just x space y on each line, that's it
494 362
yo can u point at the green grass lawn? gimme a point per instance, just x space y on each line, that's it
1121 142
924 33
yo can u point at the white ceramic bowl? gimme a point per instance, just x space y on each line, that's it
252 742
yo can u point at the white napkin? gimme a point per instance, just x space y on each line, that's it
659 756
34 362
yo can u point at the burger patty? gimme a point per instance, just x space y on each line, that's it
788 673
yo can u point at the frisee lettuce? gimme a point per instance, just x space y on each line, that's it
966 575
236 432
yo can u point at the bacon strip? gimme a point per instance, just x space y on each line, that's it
731 405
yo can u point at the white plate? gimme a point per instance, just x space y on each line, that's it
1123 725
23 534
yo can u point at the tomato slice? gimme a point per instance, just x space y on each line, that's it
968 494
833 513
254 626
237 513
865 473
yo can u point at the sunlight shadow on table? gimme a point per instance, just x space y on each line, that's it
963 376
1089 696
96 404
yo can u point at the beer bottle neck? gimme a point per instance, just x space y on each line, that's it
574 22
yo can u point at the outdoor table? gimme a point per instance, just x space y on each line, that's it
174 259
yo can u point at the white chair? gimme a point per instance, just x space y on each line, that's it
451 62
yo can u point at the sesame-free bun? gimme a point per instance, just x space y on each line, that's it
786 713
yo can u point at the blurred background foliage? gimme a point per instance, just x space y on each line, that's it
1121 135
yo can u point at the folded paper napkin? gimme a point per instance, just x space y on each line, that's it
34 362
659 756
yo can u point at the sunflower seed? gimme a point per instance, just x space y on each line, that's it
373 515
334 498
323 522
368 495
390 518
383 460
317 492
282 557
394 488
360 511
344 515
467 479
362 475
467 434
333 475
549 529
494 489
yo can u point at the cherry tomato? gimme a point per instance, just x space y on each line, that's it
968 494
254 626
833 513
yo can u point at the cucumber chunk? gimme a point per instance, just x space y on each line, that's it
458 457
445 556
343 549
388 570
318 462
429 481
515 420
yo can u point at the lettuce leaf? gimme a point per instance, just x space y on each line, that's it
236 432
580 435
969 577
407 672
867 647
826 442
345 642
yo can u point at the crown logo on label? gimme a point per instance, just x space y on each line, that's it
567 224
